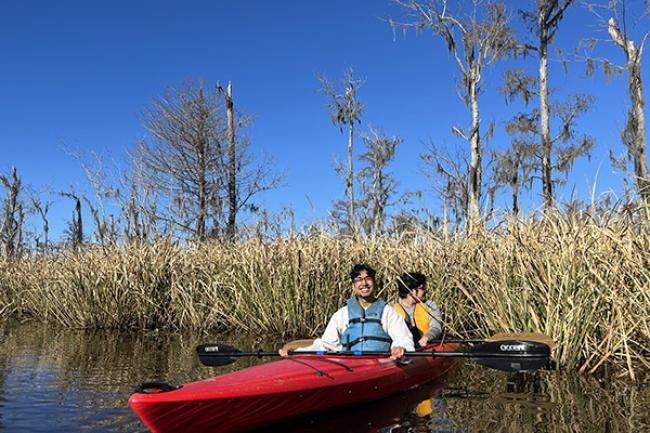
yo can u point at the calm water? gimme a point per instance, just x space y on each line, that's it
54 380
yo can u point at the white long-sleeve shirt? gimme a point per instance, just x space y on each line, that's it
391 321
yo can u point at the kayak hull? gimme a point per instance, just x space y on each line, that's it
275 391
414 407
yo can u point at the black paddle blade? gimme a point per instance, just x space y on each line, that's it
512 355
217 355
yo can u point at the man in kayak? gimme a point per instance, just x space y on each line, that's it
423 319
366 323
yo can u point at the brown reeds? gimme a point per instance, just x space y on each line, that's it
582 280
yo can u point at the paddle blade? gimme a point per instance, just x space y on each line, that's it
524 336
512 355
217 355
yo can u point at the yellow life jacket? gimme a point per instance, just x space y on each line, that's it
421 316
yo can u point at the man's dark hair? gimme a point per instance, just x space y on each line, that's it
408 282
358 268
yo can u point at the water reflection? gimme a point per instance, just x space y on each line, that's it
546 402
74 381
386 415
67 380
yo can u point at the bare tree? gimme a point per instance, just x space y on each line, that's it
550 160
513 167
135 226
139 208
104 188
183 160
246 178
634 134
411 222
186 165
74 232
42 210
377 184
345 109
544 22
232 162
13 215
475 40
447 172
253 178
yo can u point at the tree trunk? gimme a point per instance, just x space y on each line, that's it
378 211
637 150
545 130
201 163
9 232
46 233
78 235
232 167
514 184
475 171
350 183
203 202
42 212
638 104
19 228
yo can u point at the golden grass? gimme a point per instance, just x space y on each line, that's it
581 280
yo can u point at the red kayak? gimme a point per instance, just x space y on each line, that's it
293 386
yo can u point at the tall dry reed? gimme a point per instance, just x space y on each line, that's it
584 281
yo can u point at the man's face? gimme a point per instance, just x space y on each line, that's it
364 286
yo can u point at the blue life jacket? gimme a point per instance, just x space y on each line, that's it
364 327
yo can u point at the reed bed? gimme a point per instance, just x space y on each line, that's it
584 281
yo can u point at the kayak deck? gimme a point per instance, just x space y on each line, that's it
293 386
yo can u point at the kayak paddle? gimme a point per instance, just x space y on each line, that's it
502 336
505 355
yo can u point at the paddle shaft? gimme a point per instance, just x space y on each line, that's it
512 355
379 353
529 336
504 336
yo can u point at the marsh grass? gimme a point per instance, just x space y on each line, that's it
583 280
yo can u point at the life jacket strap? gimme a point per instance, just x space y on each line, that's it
364 320
356 341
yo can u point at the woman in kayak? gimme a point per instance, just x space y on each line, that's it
365 323
423 319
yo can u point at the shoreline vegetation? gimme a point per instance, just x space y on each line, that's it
582 279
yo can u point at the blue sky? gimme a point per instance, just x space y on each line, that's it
78 74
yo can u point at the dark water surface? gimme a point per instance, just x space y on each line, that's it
56 380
